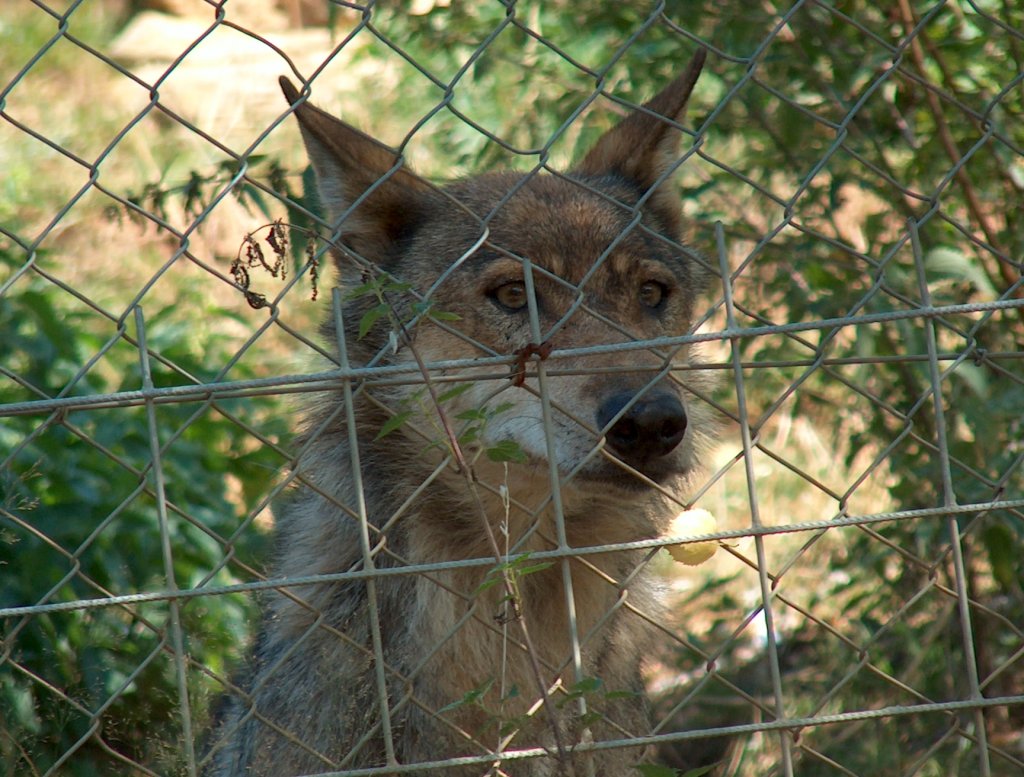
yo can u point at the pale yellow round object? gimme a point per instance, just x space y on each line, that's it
688 524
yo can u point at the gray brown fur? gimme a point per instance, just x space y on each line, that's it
309 701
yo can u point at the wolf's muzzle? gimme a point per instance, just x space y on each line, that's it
651 428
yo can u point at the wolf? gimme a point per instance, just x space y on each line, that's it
513 421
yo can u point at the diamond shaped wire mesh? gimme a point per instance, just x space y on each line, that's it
852 177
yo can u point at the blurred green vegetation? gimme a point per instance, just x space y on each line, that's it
815 161
77 521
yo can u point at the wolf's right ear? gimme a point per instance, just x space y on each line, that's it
644 146
348 164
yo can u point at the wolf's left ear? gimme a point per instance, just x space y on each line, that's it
645 144
352 167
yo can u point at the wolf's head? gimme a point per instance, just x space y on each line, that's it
587 262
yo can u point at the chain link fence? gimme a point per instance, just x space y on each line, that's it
853 177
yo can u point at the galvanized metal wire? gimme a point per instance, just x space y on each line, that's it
954 336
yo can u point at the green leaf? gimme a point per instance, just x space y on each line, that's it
370 287
246 193
451 393
513 724
393 423
516 567
654 770
370 317
611 695
975 378
487 584
506 450
470 697
700 770
949 261
540 566
444 315
1002 554
311 192
586 685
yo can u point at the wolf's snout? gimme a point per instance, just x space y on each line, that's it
652 427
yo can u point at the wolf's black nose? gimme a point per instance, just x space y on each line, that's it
652 427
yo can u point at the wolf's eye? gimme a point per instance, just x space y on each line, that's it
652 294
511 296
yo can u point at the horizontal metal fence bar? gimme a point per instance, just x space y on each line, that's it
417 569
785 724
331 379
206 391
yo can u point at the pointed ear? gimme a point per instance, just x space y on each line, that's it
347 164
644 145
